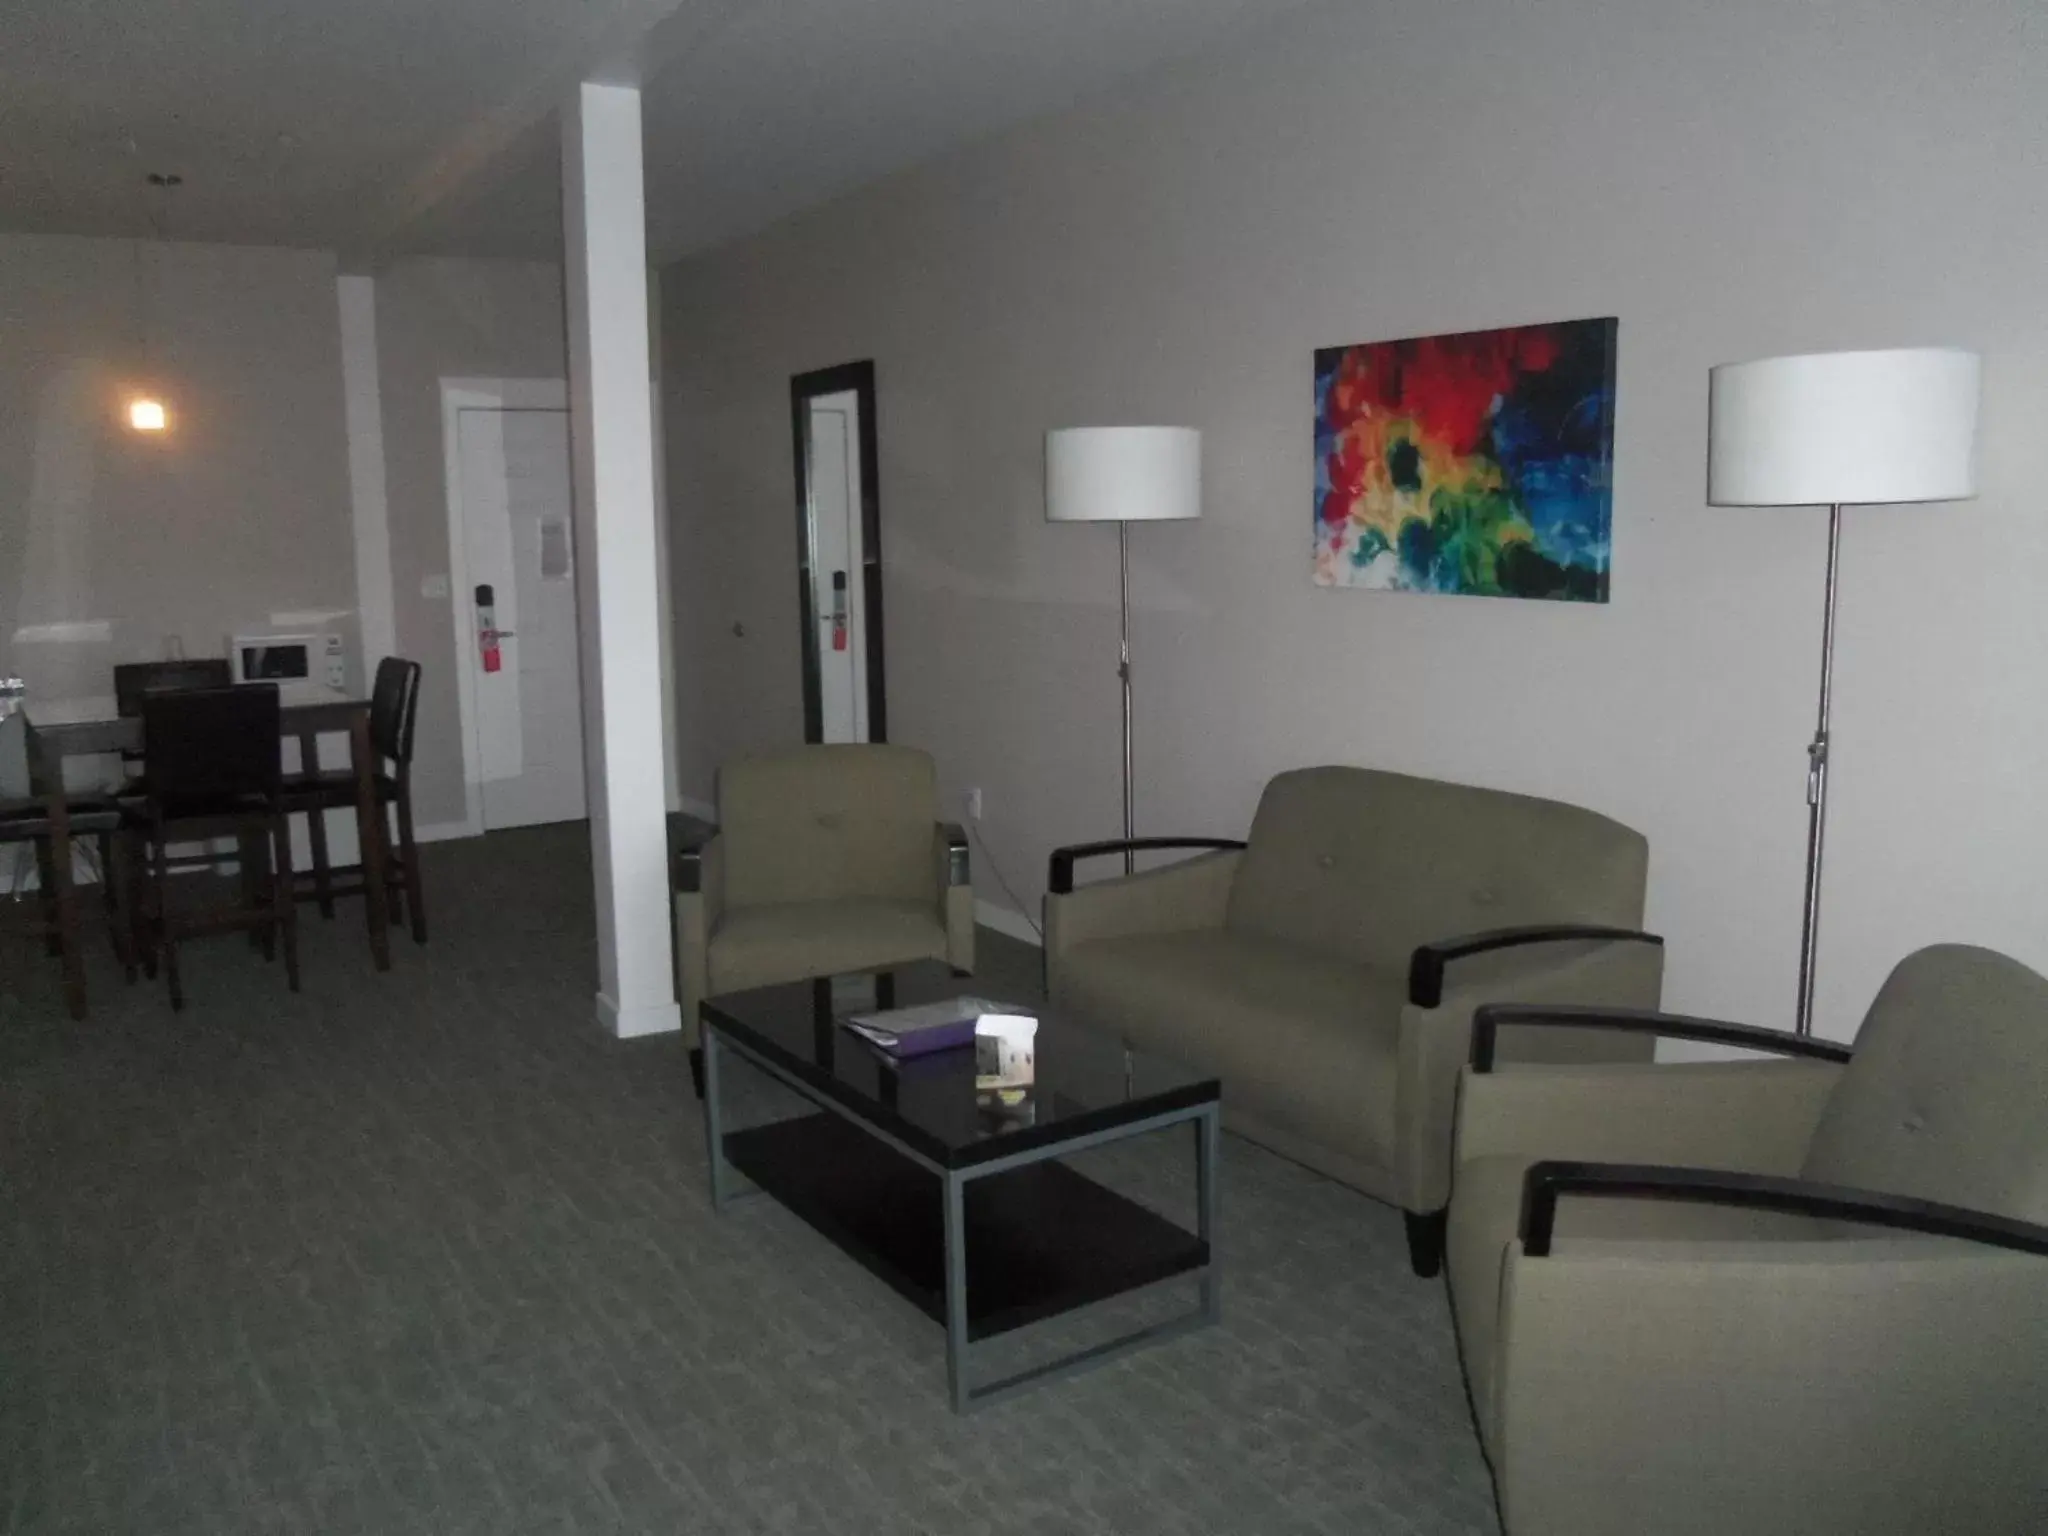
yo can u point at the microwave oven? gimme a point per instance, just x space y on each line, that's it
274 658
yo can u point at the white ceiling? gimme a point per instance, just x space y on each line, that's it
381 127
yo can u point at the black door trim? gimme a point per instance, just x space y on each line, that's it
858 377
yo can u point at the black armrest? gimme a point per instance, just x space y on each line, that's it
1426 965
687 856
1060 878
956 853
1488 1017
1545 1182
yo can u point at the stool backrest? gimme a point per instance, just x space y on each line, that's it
15 780
208 743
394 708
133 679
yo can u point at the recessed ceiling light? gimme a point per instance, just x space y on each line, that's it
147 415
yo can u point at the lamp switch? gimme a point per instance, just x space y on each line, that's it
973 800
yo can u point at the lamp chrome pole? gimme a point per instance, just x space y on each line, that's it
1123 672
1817 783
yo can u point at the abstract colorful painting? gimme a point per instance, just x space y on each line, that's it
1476 463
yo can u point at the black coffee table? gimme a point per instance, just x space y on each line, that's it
961 1206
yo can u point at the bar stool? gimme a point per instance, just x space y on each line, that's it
394 711
214 770
48 822
133 682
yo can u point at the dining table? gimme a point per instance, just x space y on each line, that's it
92 725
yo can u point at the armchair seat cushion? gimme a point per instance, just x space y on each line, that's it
787 941
1486 1209
1297 1037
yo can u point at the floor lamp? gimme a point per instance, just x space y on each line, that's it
1833 429
1123 475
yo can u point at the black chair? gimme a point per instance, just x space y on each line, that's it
394 711
135 679
215 771
48 822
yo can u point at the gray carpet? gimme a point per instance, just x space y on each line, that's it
424 1252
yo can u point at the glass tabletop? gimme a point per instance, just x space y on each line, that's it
1082 1081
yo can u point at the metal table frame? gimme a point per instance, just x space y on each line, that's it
1205 1119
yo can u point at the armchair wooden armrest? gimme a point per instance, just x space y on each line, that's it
1486 1023
1060 874
950 844
1426 965
691 856
1547 1182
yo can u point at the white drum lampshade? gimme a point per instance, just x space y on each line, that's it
1123 474
1835 428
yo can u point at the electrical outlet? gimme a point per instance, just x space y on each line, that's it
973 799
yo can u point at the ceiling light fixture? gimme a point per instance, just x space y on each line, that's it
147 411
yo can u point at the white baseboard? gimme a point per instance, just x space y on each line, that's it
647 1019
1012 924
446 831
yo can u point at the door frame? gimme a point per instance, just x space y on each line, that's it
859 379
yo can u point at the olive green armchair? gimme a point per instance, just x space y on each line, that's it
1326 971
827 861
1776 1296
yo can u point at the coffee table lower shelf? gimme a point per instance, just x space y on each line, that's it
1041 1239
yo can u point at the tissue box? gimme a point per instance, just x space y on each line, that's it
1005 1047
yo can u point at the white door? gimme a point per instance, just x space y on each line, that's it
519 540
836 586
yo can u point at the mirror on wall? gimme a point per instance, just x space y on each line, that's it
839 553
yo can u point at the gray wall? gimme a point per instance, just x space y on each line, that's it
446 318
1732 181
240 511
243 509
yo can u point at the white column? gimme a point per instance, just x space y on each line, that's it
604 229
363 413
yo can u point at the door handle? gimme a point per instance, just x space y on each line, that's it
836 621
487 632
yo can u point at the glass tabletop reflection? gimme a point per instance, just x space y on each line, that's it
936 1105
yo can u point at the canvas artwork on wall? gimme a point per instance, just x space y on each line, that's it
1476 463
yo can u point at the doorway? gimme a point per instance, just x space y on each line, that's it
839 553
514 557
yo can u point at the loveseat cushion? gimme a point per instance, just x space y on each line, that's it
1296 1037
1366 865
760 946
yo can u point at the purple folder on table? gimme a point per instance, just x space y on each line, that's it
929 1027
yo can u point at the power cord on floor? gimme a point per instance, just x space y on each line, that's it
974 835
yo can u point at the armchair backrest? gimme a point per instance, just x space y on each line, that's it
1945 1095
1367 865
825 823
